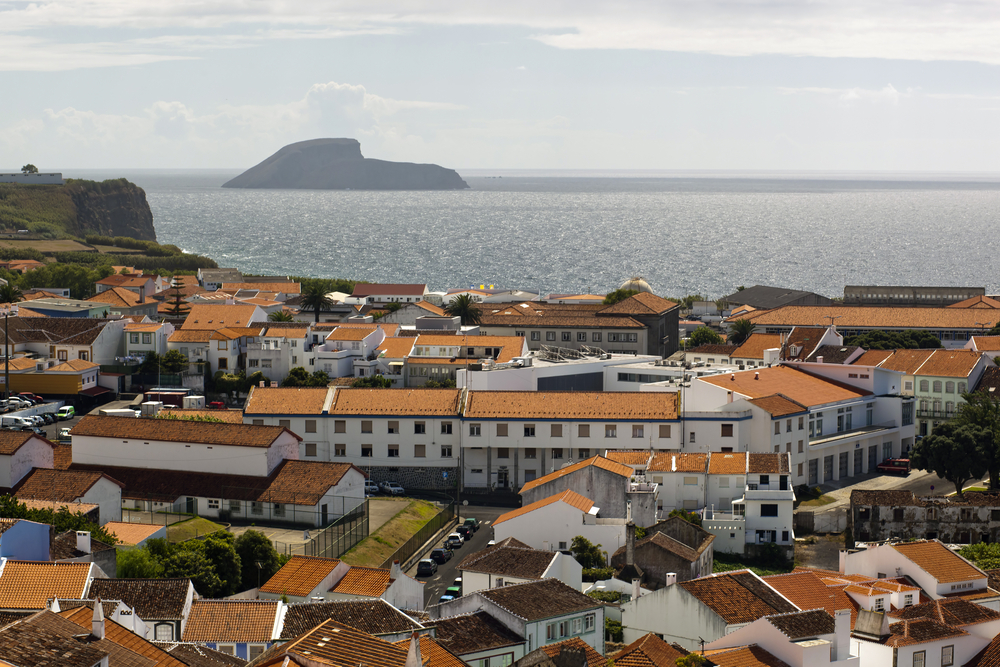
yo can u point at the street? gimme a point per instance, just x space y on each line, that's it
435 586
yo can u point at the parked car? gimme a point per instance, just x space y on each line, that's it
441 555
454 591
454 541
465 532
902 466
392 489
473 523
18 403
49 417
445 598
371 488
66 412
216 405
33 398
64 434
426 567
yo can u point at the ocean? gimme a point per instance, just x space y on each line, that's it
704 233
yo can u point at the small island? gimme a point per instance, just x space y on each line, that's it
337 164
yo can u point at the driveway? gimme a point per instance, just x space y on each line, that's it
435 586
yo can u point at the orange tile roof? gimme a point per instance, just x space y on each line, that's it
629 457
279 287
754 346
511 346
120 298
133 327
131 533
598 461
179 430
83 616
981 302
950 363
73 508
368 582
22 364
727 463
737 597
286 400
593 405
332 643
433 653
594 659
189 336
872 358
871 317
798 385
352 333
286 332
430 308
938 561
300 576
676 462
401 402
648 651
571 498
215 316
744 656
29 584
60 485
73 366
807 337
11 441
987 343
643 303
807 590
232 416
396 348
778 405
906 361
231 621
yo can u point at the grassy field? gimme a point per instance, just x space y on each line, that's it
818 502
186 530
377 547
58 245
114 250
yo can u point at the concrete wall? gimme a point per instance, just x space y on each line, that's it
26 540
108 496
607 490
675 615
35 453
547 528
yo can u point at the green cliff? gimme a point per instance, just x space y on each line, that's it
110 208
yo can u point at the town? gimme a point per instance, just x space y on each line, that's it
220 469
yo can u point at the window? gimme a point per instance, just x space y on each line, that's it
557 453
393 451
147 338
937 386
788 425
228 649
690 481
536 335
584 454
879 604
727 430
164 632
446 451
777 428
223 345
366 426
224 363
577 626
961 387
254 652
802 423
588 622
567 336
519 334
213 503
340 426
637 430
133 339
583 431
556 431
279 509
445 428
393 427
897 514
234 506
253 363
581 336
924 385
420 428
767 509
691 439
474 429
366 451
530 453
610 431
503 452
596 337
947 655
529 430
908 600
800 470
285 423
419 451
664 430
501 430
256 507
258 422
311 426
310 449
550 335
61 355
949 387
340 450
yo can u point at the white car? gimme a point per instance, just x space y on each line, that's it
392 488
371 488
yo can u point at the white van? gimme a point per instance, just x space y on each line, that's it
16 423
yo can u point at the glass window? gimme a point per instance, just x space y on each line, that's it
923 385
596 337
366 426
503 452
584 454
550 335
446 428
556 431
664 430
536 335
419 451
147 338
530 453
420 428
474 429
768 509
610 431
947 655
393 451
340 426
501 430
529 430
937 386
567 336
311 425
366 451
340 450
394 427
581 336
310 449
949 387
637 430
557 453
583 431
446 451
777 428
727 430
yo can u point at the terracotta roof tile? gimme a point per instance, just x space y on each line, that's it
286 400
471 633
510 346
539 599
712 348
873 317
988 657
434 652
280 287
768 463
300 576
675 462
337 644
834 354
648 651
231 621
28 585
905 361
11 441
778 405
376 617
510 317
231 416
919 631
27 643
977 302
593 405
571 498
122 637
180 431
801 624
594 659
190 336
59 485
152 599
639 457
801 342
754 346
364 581
738 597
401 402
131 533
744 656
214 316
598 461
795 384
956 612
510 561
643 303
379 289
807 591
196 655
351 333
728 463
396 348
73 366
950 363
938 561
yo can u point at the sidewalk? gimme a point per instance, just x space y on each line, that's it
841 489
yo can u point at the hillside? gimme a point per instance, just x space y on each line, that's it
110 208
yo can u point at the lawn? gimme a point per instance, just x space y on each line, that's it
190 529
58 245
728 562
377 547
818 502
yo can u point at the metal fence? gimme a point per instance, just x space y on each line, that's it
339 537
410 547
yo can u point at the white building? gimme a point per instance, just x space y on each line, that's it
551 524
512 562
800 639
143 338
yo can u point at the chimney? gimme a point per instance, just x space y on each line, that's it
142 293
636 589
756 376
413 655
819 359
630 543
97 625
732 377
230 301
395 572
841 649
54 606
671 578
83 541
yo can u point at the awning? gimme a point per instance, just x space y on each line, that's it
395 363
95 391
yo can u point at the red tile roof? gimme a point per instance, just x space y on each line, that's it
300 576
571 498
940 562
369 582
597 461
592 405
231 621
738 597
180 431
29 585
793 383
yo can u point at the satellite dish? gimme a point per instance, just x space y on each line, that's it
465 503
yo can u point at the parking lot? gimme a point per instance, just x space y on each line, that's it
434 586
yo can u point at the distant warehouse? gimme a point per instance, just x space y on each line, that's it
33 179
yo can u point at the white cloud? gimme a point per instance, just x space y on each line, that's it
885 95
898 29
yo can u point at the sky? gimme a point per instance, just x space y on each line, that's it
768 85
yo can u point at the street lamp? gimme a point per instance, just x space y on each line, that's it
982 327
8 310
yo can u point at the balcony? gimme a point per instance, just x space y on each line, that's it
862 432
936 414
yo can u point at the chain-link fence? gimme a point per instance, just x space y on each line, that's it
410 547
336 539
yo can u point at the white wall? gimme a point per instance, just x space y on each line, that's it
674 614
35 453
546 527
108 496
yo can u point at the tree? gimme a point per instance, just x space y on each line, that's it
894 340
188 561
690 517
373 382
740 330
10 293
954 452
446 383
254 381
229 384
220 551
588 555
258 558
704 336
300 377
29 169
150 364
692 660
314 298
466 307
611 298
173 361
984 555
138 564
177 308
280 316
982 410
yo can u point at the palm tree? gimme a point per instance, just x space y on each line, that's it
464 306
280 316
740 330
314 298
10 293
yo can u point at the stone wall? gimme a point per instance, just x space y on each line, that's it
413 478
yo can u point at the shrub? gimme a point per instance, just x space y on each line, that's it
598 573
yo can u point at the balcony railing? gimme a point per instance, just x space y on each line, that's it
936 414
854 432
